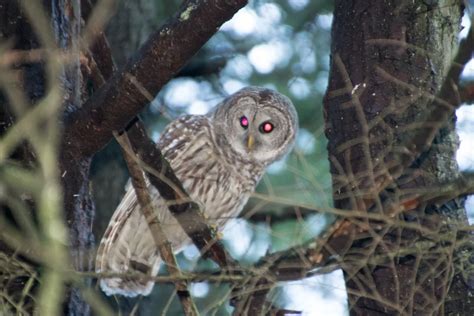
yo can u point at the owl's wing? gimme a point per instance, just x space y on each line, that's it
127 245
178 134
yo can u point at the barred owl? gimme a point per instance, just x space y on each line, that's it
219 158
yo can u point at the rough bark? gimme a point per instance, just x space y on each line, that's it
370 119
78 205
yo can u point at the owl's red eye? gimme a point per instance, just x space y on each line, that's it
244 122
266 127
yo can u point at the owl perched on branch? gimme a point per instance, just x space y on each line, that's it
219 158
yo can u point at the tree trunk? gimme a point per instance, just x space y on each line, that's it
65 23
388 59
78 205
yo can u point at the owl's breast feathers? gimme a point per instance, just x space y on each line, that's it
212 176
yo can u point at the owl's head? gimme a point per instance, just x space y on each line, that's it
258 124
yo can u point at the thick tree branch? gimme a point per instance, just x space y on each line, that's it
158 60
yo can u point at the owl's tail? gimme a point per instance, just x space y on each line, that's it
127 252
130 288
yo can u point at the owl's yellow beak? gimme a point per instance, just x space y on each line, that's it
250 142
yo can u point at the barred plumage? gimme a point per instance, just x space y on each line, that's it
218 160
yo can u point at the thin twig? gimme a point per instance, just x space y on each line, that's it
159 236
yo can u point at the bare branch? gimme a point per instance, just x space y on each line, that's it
161 241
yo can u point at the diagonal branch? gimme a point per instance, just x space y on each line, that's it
163 54
161 241
187 212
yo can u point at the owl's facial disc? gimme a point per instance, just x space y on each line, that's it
258 124
259 132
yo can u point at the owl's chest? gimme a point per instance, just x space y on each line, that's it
221 188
